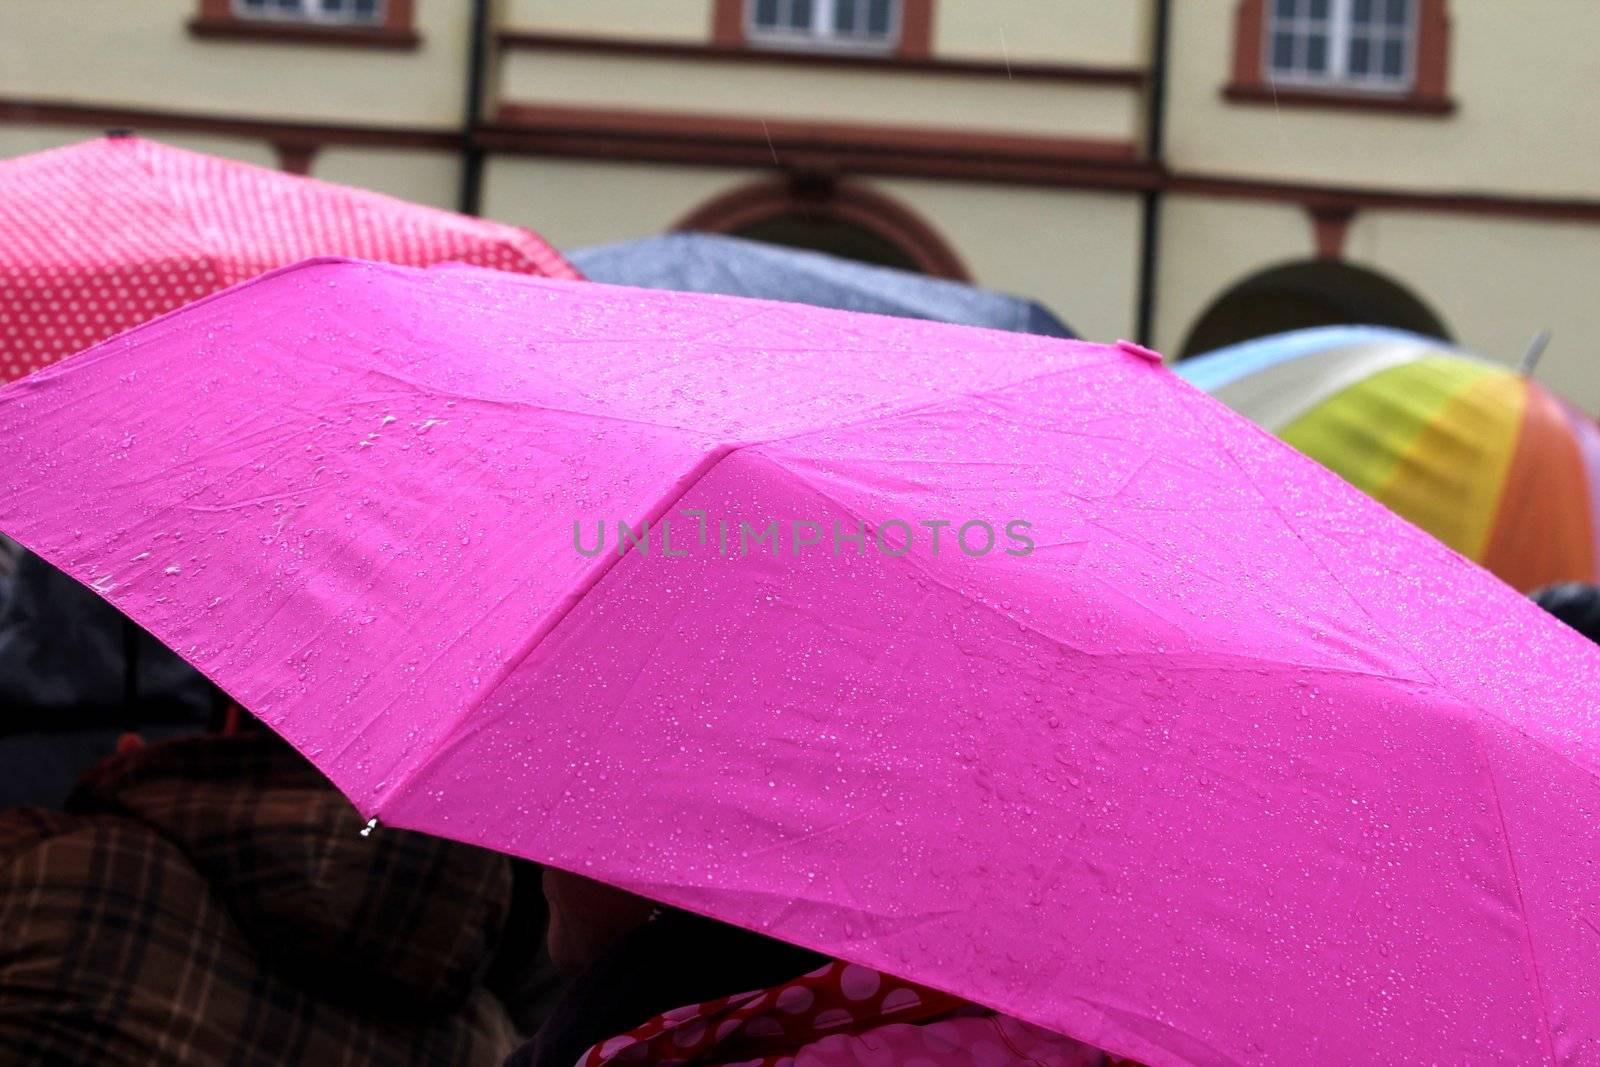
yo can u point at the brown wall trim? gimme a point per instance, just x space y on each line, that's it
812 196
343 36
916 25
1249 41
727 23
216 19
1433 49
857 135
1296 96
843 149
933 153
44 112
1130 77
1330 226
916 28
831 148
1429 94
295 156
1365 198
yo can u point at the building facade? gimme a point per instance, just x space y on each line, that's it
1189 172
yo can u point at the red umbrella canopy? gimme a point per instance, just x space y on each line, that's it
98 237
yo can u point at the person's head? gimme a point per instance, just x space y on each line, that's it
1575 603
587 917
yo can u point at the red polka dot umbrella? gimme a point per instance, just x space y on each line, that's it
98 237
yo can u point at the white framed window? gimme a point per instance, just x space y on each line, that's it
848 25
322 12
1345 44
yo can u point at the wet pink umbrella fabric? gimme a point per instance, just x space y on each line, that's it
1233 766
101 236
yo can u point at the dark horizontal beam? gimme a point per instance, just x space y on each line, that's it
829 147
836 148
1284 96
104 117
231 29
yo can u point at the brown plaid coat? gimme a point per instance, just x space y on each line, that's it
211 901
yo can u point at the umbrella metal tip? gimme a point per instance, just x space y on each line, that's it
1536 347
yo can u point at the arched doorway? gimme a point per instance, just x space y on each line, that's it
1317 293
833 236
836 217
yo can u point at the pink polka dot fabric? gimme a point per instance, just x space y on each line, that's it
98 237
838 1015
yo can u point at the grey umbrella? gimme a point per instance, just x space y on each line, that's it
709 263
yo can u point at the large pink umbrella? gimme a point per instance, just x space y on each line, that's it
1233 766
100 236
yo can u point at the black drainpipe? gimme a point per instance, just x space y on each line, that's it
471 193
1155 156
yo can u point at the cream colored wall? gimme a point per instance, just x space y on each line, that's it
1076 252
780 92
422 177
139 54
1046 31
1043 31
1495 282
1523 72
576 202
19 140
412 174
673 20
1208 246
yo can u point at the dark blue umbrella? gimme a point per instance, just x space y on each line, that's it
708 263
74 674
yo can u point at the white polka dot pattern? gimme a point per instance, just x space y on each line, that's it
840 1015
104 235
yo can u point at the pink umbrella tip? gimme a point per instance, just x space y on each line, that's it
1148 354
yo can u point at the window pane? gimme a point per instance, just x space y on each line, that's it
1285 9
844 16
1361 12
1394 60
366 9
766 13
1317 53
800 15
1283 51
878 18
1319 9
1360 55
1396 12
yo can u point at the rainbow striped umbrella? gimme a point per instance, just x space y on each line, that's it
1483 458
